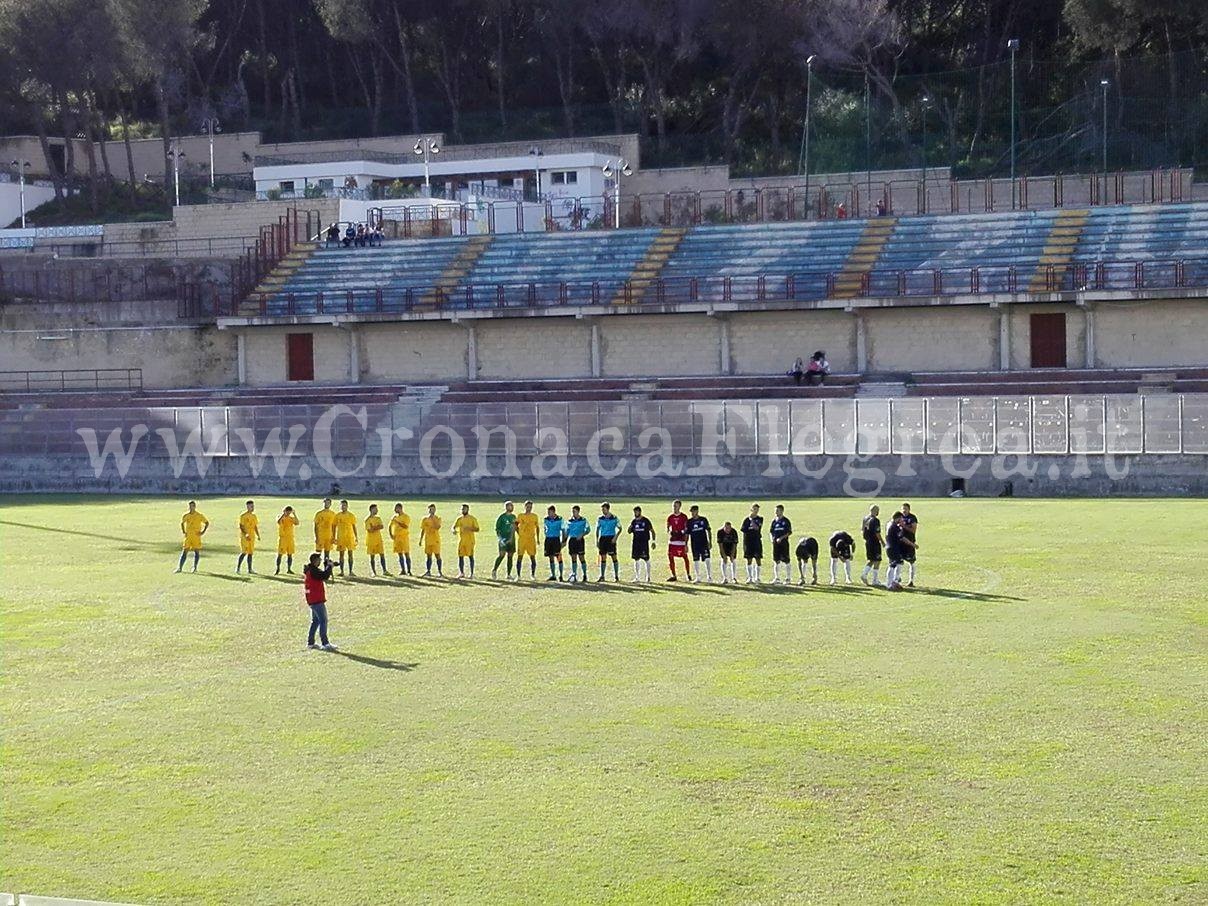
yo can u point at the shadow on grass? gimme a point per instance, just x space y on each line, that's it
380 663
963 595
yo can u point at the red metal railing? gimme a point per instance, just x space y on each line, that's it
801 286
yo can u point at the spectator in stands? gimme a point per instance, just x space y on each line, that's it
360 236
333 235
797 372
350 235
818 368
841 211
377 235
882 209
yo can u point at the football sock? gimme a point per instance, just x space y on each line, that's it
239 565
249 563
196 557
912 572
183 556
708 570
616 571
847 570
864 573
874 576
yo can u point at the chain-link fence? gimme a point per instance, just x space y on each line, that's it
1042 425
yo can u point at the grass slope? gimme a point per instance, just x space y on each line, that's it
1031 727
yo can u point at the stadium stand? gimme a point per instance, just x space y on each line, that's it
930 255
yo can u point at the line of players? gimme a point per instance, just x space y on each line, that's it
517 533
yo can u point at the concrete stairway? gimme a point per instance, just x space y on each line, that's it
1059 249
863 257
457 269
662 247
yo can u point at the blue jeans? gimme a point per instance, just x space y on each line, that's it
318 621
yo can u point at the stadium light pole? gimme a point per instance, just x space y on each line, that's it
209 126
926 102
1103 83
1013 46
805 139
427 147
22 166
615 171
176 154
537 153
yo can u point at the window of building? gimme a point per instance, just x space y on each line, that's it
327 184
287 185
564 177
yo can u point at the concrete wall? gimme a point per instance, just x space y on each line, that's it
10 200
650 345
939 338
767 342
418 351
515 349
1131 334
265 363
168 356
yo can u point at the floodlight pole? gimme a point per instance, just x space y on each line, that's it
176 154
1013 46
210 125
22 166
1104 83
809 90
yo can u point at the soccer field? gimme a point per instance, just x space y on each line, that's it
1028 726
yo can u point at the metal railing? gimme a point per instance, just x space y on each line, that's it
71 380
111 282
991 425
803 286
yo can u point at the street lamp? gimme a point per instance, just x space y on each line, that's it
1103 83
615 171
1013 46
176 154
427 147
538 154
803 163
209 126
22 166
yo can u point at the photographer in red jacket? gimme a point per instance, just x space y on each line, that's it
314 577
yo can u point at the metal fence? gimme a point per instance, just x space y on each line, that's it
1043 425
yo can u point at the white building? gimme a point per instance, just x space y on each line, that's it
568 175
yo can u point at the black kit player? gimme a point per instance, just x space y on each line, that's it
752 544
781 530
807 555
642 530
727 548
842 550
910 524
700 541
870 528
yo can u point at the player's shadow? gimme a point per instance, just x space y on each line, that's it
380 663
126 543
964 595
229 578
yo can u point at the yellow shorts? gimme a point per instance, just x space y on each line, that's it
526 547
346 544
431 548
247 545
191 543
373 545
325 542
402 545
465 547
286 547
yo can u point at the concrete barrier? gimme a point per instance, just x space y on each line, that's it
30 900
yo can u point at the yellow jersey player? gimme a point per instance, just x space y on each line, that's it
400 534
249 534
286 523
527 525
465 528
375 545
429 537
346 535
325 529
192 525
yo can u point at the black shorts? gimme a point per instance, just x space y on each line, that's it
607 545
700 550
872 551
752 549
553 547
575 547
843 554
780 550
641 550
808 550
908 553
728 551
895 556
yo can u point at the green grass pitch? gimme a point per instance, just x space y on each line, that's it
1030 727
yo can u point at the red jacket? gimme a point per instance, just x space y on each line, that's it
312 581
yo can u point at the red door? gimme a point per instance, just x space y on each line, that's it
1048 341
300 357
